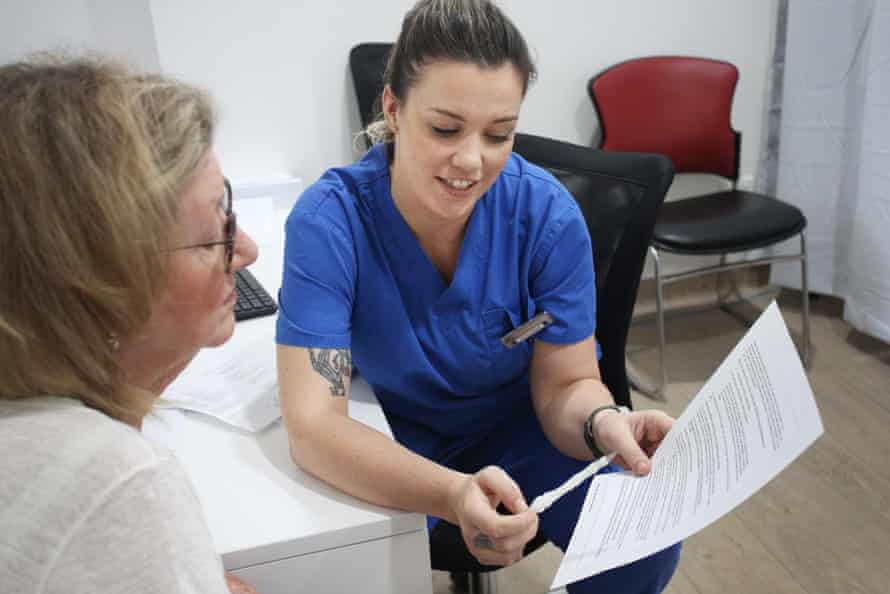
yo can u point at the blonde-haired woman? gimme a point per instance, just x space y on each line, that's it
118 247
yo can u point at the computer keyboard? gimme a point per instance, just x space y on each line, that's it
253 300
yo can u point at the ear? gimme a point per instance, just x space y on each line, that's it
390 107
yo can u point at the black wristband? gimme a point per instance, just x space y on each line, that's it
588 428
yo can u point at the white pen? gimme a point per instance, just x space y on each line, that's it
543 501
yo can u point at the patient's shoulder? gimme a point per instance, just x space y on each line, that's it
79 450
66 467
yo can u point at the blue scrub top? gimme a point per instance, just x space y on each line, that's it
355 277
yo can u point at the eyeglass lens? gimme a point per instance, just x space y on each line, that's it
231 226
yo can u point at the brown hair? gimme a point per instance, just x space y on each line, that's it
471 31
93 157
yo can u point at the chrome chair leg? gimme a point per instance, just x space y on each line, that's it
483 583
734 296
472 582
734 292
661 388
641 382
805 301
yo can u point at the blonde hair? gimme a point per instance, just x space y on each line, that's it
471 31
93 157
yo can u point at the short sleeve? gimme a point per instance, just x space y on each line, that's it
145 534
562 278
318 280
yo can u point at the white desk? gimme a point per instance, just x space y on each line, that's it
280 529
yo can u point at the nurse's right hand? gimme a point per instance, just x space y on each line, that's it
493 538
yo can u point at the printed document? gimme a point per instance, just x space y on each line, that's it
236 383
752 418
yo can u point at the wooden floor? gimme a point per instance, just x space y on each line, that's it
823 525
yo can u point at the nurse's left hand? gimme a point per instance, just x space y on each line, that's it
633 436
491 537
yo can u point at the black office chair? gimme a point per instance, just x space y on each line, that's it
619 195
681 107
367 62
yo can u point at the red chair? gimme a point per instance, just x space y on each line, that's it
680 107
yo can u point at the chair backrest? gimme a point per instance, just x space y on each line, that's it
672 105
367 61
619 195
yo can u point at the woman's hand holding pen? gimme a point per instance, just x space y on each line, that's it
634 436
493 538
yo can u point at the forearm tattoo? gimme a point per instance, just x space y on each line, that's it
335 365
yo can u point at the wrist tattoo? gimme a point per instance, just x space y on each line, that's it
483 541
335 365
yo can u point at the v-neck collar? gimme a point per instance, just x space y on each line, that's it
413 269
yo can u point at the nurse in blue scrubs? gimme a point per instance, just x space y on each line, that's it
411 264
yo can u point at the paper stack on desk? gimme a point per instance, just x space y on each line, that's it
752 418
236 383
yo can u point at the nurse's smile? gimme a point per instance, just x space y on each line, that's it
460 188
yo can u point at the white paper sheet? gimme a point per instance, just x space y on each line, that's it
752 418
236 383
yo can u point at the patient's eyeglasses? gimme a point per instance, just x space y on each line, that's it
230 229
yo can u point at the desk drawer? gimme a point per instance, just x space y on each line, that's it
396 564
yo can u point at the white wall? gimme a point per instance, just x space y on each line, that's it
278 68
122 29
125 29
25 26
576 39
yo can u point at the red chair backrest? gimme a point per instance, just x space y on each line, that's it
675 106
